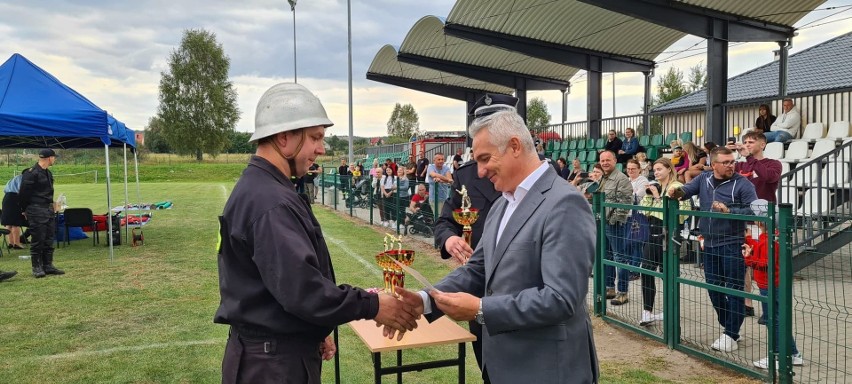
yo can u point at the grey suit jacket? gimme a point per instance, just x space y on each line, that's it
533 285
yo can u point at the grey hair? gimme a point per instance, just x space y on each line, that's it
502 126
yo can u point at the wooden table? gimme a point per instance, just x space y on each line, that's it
442 331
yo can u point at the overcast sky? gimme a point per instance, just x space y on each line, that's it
113 52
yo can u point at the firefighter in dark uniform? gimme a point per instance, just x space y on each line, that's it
36 197
482 195
276 280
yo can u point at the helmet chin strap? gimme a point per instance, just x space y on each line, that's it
291 160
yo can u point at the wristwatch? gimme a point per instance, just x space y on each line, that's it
479 318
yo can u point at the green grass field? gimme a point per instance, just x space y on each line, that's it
146 316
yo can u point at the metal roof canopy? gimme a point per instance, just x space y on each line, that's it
720 23
569 33
385 68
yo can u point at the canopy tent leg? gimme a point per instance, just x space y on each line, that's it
126 210
109 204
136 164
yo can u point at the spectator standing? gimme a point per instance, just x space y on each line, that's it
439 177
309 179
765 174
724 191
652 254
343 174
36 195
639 184
12 216
786 126
613 143
402 192
392 164
764 120
458 160
617 189
629 147
411 174
422 167
388 185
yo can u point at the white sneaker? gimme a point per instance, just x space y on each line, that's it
648 318
725 343
764 362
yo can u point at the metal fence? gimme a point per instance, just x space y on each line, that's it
690 302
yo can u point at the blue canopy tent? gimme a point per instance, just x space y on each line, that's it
39 111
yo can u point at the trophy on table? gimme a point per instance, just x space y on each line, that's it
465 215
393 275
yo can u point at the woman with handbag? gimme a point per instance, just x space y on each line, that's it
640 184
665 180
388 185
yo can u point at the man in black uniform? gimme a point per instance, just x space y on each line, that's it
276 280
482 195
36 196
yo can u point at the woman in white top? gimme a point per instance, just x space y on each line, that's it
639 183
388 186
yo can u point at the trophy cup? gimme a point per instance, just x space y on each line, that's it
392 274
465 215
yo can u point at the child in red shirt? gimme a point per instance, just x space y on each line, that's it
756 253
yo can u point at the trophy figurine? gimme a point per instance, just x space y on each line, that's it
465 215
392 274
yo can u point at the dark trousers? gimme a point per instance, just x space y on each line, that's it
615 251
43 230
653 260
724 267
270 360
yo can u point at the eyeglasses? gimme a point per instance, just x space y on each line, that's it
729 163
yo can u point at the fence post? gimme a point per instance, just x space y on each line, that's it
336 182
785 310
671 268
372 192
397 200
322 185
599 281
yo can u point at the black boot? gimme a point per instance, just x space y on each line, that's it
7 275
48 265
38 271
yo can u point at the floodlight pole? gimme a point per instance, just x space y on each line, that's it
349 29
293 8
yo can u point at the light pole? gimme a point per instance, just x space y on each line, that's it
349 29
293 8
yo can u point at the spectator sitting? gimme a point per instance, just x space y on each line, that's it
613 143
764 120
576 172
645 166
701 162
563 170
756 253
629 146
680 161
786 126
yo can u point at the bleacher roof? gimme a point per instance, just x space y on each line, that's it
823 67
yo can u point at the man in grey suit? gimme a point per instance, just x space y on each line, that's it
527 279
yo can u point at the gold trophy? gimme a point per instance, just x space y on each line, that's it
392 274
465 215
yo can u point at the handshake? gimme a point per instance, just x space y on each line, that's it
400 314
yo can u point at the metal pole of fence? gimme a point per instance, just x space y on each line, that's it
336 181
772 297
370 199
786 292
671 288
397 199
599 281
322 186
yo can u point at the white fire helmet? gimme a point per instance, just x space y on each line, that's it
287 107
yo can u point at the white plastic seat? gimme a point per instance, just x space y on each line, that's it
789 194
806 175
836 175
820 148
838 130
797 151
816 202
813 132
774 151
